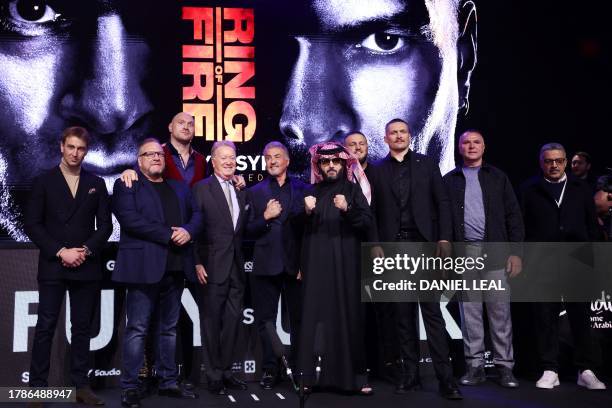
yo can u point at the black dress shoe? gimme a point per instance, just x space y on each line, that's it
449 390
216 387
177 392
268 380
86 396
130 398
234 384
408 383
188 385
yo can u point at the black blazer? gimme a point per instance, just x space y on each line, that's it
430 203
54 219
503 221
219 246
277 244
574 221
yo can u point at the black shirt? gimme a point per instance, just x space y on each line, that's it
401 187
283 195
172 216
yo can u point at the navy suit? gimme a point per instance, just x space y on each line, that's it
55 219
143 246
276 259
142 265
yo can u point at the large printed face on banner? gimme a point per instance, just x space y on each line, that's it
362 63
65 63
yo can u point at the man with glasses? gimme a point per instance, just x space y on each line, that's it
155 255
560 209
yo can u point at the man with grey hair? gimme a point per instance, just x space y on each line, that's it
379 60
485 209
220 267
561 209
274 207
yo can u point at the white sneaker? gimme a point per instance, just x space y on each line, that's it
588 380
548 380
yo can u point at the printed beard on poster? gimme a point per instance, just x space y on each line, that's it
218 62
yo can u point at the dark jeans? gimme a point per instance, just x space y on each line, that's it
265 293
160 301
547 321
83 298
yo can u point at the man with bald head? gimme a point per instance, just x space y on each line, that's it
158 222
485 208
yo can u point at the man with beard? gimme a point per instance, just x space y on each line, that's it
358 64
356 143
337 220
65 204
155 256
275 204
410 204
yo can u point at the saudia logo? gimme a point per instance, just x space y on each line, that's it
113 372
599 306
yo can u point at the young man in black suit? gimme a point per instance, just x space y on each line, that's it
68 218
275 204
221 266
410 204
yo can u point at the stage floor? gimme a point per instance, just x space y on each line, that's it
488 395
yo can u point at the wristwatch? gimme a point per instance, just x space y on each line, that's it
87 251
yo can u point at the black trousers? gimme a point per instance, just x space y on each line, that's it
586 354
437 339
265 293
407 320
220 306
83 298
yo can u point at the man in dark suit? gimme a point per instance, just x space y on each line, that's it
68 218
221 266
274 206
410 204
557 208
158 222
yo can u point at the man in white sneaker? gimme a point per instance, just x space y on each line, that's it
561 209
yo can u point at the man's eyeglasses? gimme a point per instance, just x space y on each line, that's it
326 162
150 155
558 162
